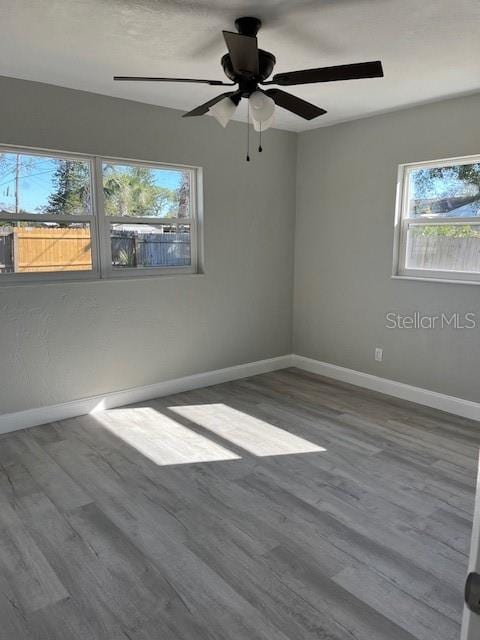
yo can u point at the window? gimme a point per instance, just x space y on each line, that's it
438 220
82 217
149 215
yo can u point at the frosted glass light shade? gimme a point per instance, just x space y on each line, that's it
262 110
263 126
223 111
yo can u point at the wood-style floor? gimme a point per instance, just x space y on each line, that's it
280 506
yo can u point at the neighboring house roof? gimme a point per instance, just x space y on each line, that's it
469 210
448 207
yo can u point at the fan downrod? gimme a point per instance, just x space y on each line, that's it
248 26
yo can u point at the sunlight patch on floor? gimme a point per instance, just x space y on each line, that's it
161 439
252 434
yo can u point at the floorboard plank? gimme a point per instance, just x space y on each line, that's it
285 506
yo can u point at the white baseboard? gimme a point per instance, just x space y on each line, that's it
42 415
450 404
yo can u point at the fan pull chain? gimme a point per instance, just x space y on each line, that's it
260 149
248 131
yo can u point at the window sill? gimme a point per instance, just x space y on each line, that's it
434 279
95 279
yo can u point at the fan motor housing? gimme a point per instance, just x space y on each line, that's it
266 63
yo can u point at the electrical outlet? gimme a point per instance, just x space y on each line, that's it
378 354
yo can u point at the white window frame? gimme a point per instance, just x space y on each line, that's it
402 223
102 268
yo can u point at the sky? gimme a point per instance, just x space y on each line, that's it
36 181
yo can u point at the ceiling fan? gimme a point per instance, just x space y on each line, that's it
249 67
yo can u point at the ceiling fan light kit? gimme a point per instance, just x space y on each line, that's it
223 111
262 110
249 67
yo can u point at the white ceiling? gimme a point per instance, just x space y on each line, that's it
430 48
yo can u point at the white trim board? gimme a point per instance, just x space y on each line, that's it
433 399
43 415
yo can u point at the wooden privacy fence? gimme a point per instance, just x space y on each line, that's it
150 249
443 253
26 249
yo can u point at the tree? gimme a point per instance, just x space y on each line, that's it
183 209
132 191
446 230
456 185
72 189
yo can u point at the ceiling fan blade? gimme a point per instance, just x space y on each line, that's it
243 52
235 96
156 79
329 74
296 105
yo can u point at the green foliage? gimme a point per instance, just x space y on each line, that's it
131 191
125 258
183 209
72 189
449 231
461 181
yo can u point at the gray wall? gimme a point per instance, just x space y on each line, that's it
346 181
60 342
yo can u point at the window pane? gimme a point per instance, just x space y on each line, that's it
44 246
144 246
139 191
42 184
450 192
444 247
